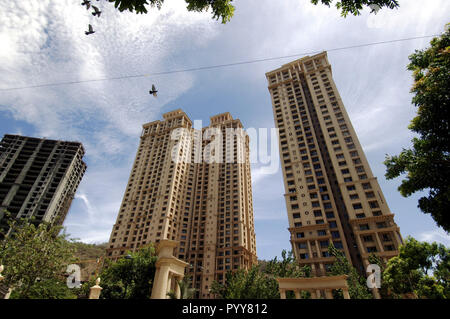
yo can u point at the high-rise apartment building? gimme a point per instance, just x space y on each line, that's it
182 188
38 178
331 194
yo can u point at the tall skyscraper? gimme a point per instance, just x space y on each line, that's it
184 189
38 178
331 194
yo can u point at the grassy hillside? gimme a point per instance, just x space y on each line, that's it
87 256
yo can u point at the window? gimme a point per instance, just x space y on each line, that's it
329 214
338 244
368 239
324 244
374 204
357 206
364 227
335 234
367 186
300 235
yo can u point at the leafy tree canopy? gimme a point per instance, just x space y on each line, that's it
186 291
221 9
260 281
357 287
421 269
127 278
355 6
224 10
35 260
427 163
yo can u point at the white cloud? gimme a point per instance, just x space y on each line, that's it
437 235
44 42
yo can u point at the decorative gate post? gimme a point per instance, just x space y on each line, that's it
168 268
95 290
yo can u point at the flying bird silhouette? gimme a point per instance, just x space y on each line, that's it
90 30
97 11
86 3
153 91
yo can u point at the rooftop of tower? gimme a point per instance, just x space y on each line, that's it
306 58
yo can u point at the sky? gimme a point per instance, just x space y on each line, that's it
43 42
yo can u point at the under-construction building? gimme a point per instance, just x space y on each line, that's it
38 178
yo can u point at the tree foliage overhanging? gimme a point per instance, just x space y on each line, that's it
224 10
427 163
356 6
221 9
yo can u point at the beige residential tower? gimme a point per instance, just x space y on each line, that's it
192 185
331 194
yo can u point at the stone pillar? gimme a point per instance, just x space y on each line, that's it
95 290
313 294
297 294
1 279
377 238
177 288
309 249
328 294
346 294
376 293
8 293
318 294
169 283
168 267
282 294
313 270
322 270
160 283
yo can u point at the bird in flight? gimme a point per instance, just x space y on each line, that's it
86 3
97 11
90 30
153 91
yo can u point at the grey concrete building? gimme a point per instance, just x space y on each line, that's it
38 178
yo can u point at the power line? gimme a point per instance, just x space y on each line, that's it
214 66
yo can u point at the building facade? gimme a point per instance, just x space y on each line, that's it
38 178
192 185
331 194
